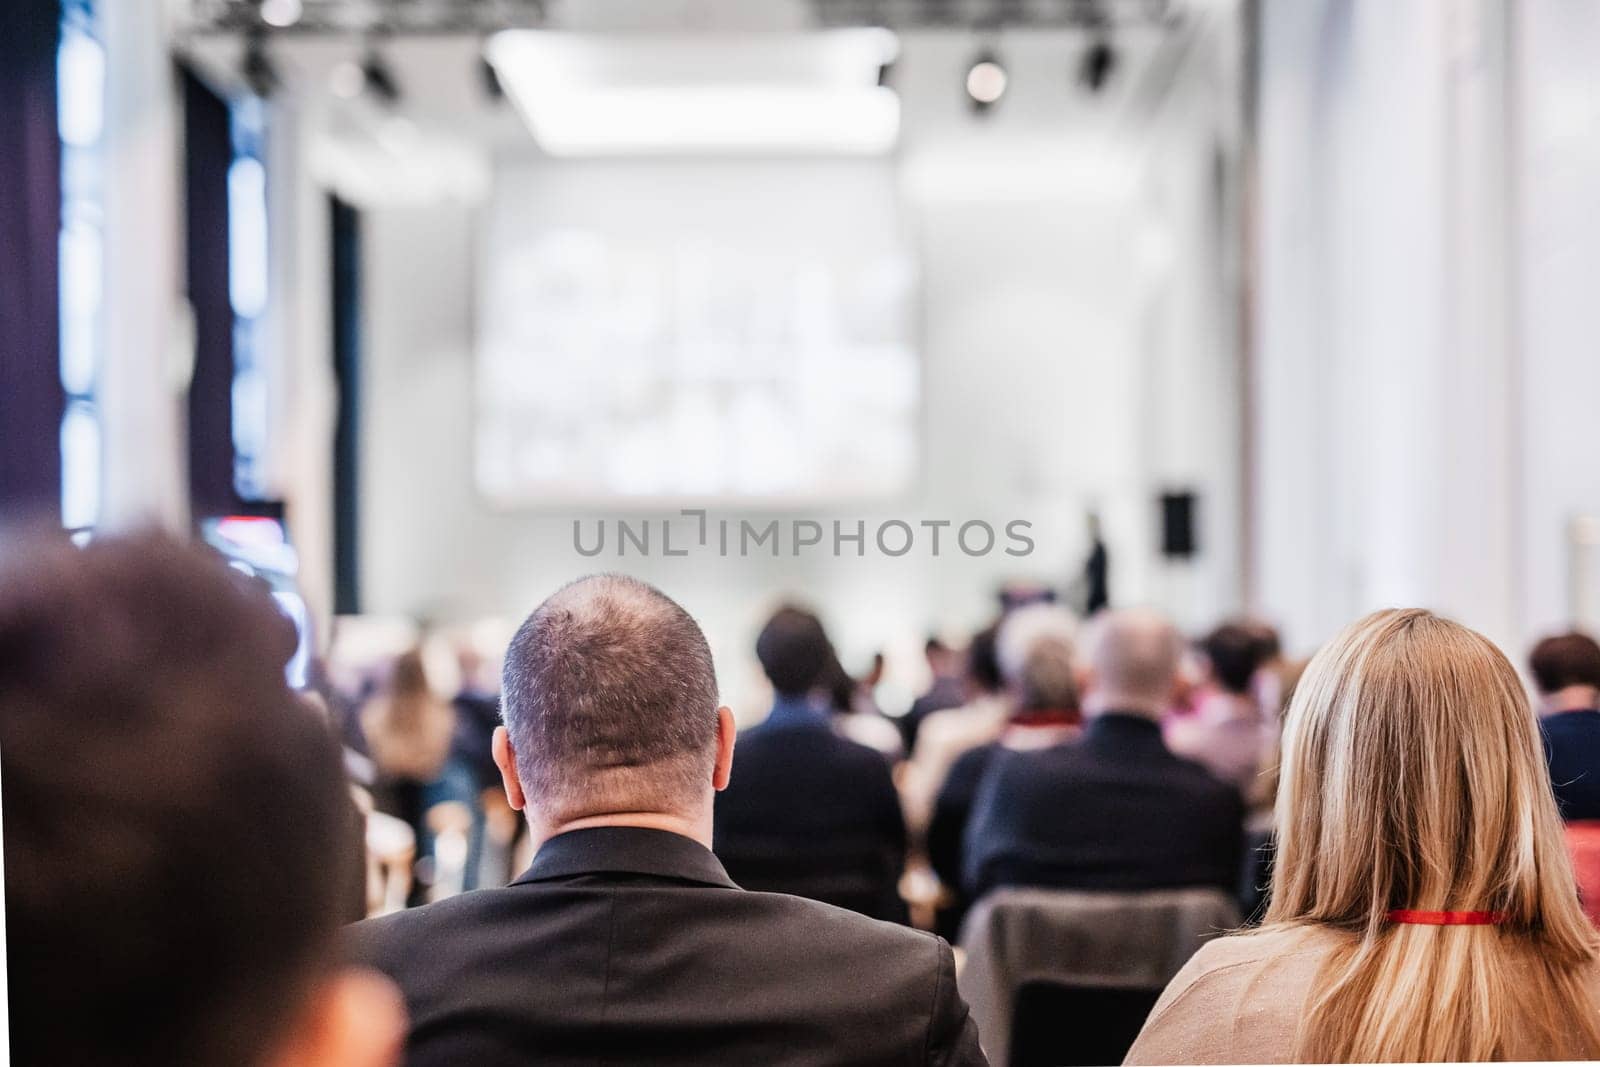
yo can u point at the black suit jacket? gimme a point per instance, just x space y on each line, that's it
1114 810
624 946
1572 745
812 813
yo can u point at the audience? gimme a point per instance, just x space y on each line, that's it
945 688
178 837
1228 733
856 714
1046 713
153 756
626 941
809 811
1423 905
408 730
1116 809
1566 670
945 735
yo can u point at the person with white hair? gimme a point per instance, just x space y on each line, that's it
994 673
1116 810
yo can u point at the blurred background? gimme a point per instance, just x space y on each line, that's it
393 298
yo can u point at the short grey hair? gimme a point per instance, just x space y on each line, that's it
610 698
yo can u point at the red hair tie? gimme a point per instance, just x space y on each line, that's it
1447 918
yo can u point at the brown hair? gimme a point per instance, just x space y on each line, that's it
176 824
1566 660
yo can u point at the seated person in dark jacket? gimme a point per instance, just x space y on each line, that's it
1115 810
626 941
1567 671
810 812
1045 713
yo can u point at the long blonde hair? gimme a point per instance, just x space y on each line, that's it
1413 777
408 727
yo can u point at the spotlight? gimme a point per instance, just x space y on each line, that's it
1099 63
281 13
379 78
986 80
257 71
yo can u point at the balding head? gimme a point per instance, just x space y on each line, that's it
1133 659
611 703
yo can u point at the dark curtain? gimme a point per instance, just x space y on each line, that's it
347 433
208 153
31 396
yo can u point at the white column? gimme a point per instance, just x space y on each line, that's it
149 344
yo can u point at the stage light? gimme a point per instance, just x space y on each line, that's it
588 95
986 80
281 13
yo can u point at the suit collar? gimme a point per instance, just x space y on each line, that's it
1124 726
797 711
626 850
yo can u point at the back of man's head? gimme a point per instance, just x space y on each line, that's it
610 700
1133 658
1235 651
1565 661
178 835
794 651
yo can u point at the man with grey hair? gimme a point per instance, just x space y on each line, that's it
1115 810
626 941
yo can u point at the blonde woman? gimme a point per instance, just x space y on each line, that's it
1423 907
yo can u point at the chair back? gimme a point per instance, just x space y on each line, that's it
1583 843
1092 965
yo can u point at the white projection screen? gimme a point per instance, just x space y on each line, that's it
722 331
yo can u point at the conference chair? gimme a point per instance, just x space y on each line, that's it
1583 842
1068 977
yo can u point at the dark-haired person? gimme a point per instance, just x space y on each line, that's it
1566 669
945 735
1228 733
945 688
626 941
177 828
810 812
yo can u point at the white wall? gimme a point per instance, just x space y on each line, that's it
1075 351
1425 364
1558 247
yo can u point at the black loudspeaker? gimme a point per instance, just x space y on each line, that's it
1177 525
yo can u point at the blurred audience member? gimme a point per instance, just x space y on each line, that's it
626 941
855 709
1228 733
1046 713
178 843
1423 908
409 728
1116 809
1566 670
946 734
945 688
810 812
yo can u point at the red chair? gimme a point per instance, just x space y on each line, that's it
1583 843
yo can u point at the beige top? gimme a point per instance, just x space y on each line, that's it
1240 999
